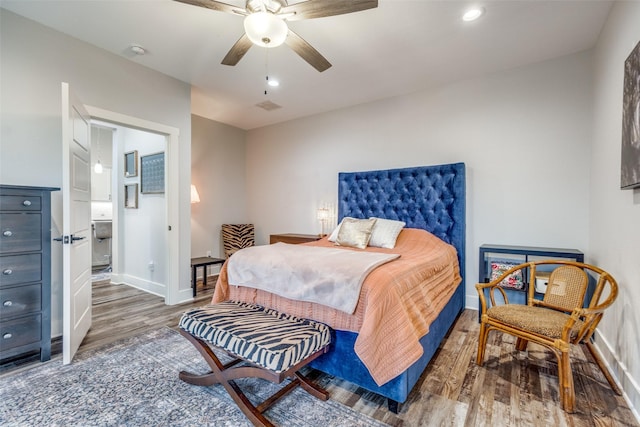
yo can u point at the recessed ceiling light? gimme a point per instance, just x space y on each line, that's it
473 14
137 49
273 83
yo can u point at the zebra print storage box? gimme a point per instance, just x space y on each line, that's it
265 337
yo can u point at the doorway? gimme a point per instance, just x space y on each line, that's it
129 220
154 267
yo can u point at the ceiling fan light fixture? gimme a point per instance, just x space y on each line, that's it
265 29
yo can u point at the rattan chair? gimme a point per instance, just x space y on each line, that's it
556 321
236 237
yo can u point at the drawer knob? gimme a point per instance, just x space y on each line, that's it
27 203
8 303
7 336
7 233
7 272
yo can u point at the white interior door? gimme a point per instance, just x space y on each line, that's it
76 223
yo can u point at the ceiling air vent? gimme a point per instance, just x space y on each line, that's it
268 106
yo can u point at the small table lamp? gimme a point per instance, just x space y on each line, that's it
323 216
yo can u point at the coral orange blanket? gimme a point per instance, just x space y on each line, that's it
398 301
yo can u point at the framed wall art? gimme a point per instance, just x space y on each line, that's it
131 164
630 162
152 173
131 196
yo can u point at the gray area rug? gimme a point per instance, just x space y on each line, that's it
134 382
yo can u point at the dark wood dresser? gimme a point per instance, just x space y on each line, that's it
25 271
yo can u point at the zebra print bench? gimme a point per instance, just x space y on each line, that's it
264 343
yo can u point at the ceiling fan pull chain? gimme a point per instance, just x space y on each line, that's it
266 70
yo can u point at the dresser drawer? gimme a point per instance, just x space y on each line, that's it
20 203
20 232
20 269
20 332
20 300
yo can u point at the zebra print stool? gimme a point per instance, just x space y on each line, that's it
273 345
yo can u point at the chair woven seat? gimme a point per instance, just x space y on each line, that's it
538 320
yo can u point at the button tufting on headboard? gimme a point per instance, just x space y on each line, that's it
428 197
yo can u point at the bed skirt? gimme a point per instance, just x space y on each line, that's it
342 350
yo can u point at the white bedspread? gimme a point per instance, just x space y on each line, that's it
328 276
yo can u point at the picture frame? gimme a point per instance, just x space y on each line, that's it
152 173
630 156
131 164
131 196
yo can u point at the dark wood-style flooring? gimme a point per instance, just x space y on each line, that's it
511 389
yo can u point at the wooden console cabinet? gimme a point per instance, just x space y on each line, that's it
520 254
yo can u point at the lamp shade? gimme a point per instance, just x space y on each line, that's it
323 214
265 29
195 197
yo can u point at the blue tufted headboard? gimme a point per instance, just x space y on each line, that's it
428 197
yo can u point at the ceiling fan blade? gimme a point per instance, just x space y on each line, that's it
237 51
320 8
215 5
306 51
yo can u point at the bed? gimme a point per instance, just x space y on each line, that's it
430 198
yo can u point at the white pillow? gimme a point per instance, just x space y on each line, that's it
385 233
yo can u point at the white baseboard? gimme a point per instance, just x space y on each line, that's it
630 388
154 288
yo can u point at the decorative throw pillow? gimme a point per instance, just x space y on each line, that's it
514 280
334 234
385 233
355 232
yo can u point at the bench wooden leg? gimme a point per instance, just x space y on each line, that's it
225 374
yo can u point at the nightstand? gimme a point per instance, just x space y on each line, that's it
202 262
293 238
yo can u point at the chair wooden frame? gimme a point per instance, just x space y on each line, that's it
572 333
225 374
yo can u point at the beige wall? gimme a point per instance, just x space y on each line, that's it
218 171
524 135
35 60
614 229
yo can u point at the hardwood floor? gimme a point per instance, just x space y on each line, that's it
510 389
120 311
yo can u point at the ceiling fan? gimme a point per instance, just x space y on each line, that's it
265 24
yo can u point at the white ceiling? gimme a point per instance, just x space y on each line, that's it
400 47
